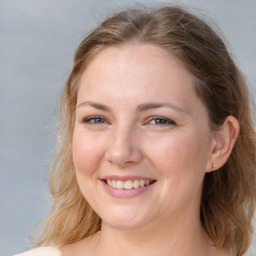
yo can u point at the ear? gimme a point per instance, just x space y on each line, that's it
223 143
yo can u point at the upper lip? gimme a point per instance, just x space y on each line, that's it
126 177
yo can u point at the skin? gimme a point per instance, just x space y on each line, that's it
119 132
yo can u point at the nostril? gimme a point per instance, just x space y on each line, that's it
123 151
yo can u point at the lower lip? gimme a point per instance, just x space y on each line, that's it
126 193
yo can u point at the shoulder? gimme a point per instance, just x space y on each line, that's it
42 251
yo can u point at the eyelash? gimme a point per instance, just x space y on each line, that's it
92 120
98 120
166 121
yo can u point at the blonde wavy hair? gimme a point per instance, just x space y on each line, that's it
228 197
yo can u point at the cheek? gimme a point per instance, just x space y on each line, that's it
87 152
179 154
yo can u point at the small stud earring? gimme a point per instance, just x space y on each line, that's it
214 167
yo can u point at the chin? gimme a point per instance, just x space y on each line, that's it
126 221
123 225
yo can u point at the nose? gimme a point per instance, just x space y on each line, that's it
124 148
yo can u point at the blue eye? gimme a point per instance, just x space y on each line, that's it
94 120
161 121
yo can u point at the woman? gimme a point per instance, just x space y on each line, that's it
157 153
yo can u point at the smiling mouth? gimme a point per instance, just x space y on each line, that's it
128 184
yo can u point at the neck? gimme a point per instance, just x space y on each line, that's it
182 237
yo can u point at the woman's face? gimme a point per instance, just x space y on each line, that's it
141 142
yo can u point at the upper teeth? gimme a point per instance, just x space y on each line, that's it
128 184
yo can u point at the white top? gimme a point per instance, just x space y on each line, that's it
42 251
54 251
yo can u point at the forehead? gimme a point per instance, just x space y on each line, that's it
138 52
137 72
136 58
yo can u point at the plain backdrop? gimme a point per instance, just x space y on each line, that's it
37 42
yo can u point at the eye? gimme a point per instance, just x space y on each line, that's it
94 120
161 121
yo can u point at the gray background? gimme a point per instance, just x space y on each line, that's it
37 42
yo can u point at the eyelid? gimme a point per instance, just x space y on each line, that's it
90 118
168 120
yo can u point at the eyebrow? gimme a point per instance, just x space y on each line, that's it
153 105
94 105
141 108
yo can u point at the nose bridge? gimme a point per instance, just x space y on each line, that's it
123 148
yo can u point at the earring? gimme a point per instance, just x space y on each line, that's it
214 167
